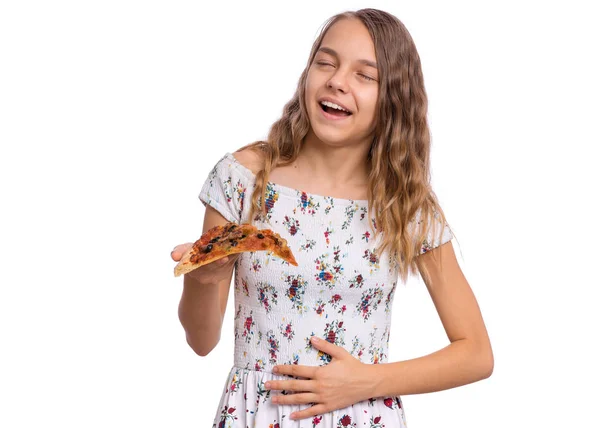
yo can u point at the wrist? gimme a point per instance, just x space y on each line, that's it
372 375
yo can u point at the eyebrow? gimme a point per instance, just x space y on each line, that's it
335 54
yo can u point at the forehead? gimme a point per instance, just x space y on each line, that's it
350 39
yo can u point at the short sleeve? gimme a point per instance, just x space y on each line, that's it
433 239
226 188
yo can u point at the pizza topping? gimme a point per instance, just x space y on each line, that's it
232 238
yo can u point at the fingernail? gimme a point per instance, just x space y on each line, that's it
275 370
315 339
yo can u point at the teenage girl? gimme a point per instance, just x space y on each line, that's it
344 177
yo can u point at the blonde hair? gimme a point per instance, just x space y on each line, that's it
399 157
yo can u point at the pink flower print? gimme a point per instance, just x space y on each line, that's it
357 347
259 365
307 204
336 257
273 347
366 236
369 301
388 402
256 265
295 292
245 287
335 300
267 295
375 422
320 307
292 225
333 334
271 197
342 310
357 281
363 213
227 417
426 246
345 421
309 245
328 275
248 324
372 259
287 331
316 420
327 233
236 381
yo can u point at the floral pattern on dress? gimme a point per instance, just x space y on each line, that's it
341 291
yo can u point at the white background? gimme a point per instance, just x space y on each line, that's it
112 113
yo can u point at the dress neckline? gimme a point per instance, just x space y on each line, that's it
295 193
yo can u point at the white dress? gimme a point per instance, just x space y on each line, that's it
340 291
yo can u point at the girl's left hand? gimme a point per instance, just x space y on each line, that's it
341 383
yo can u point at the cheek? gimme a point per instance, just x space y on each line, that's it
369 106
309 93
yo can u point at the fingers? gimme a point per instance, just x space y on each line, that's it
179 250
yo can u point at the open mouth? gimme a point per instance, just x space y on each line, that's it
334 110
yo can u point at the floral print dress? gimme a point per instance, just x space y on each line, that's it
340 291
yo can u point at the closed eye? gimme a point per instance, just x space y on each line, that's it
364 76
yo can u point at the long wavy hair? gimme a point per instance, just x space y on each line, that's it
399 194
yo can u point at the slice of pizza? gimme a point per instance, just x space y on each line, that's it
231 238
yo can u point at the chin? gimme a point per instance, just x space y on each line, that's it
332 138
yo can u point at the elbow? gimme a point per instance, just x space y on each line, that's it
490 368
201 349
486 359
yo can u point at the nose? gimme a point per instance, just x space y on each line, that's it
338 82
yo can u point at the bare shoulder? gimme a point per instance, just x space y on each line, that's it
251 159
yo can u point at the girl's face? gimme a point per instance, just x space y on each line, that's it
343 73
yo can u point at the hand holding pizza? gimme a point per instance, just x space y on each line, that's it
210 273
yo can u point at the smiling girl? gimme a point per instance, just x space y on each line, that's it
344 177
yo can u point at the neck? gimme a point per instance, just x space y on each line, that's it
334 166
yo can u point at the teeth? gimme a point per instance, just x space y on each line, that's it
335 106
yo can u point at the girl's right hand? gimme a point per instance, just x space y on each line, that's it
212 273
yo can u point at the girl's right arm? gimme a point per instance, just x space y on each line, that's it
205 291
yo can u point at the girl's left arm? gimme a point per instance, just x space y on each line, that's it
467 359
